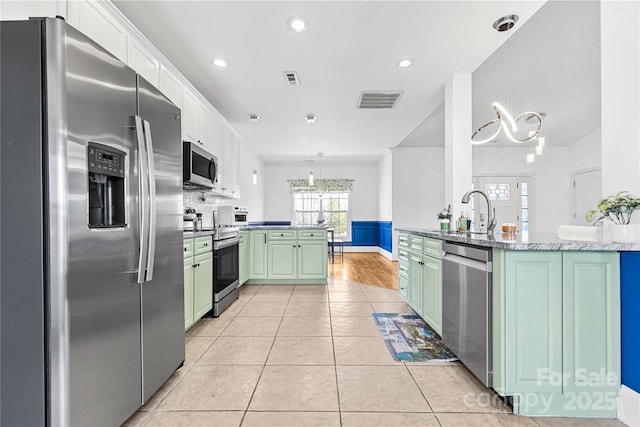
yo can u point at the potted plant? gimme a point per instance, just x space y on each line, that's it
617 210
444 217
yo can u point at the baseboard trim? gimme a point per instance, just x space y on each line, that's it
629 407
376 249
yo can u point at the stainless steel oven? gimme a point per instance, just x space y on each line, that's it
226 269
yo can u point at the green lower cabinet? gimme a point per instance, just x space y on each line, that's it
403 278
243 257
432 292
258 254
188 293
202 284
312 259
557 332
414 293
282 259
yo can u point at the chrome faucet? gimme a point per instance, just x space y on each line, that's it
491 225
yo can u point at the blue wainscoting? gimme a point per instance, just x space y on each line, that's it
630 314
371 233
272 223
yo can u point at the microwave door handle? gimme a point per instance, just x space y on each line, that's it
142 198
212 175
151 205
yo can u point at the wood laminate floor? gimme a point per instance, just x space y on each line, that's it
365 267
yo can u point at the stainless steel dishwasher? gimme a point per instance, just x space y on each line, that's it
467 308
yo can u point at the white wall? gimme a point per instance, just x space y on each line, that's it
586 152
385 177
364 197
417 189
551 178
251 195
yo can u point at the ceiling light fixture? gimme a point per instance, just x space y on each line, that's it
254 176
297 24
219 62
502 114
404 63
311 118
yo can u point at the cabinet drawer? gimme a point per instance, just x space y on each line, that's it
188 248
312 235
202 244
433 247
403 269
282 235
403 255
416 243
403 240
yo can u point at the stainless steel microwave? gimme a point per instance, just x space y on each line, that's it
200 168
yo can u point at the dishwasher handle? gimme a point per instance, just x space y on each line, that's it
468 262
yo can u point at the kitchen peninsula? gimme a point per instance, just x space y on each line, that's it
548 311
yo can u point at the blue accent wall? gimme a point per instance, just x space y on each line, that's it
371 233
260 223
630 313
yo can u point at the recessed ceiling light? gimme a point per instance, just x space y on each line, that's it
219 62
310 118
404 63
297 24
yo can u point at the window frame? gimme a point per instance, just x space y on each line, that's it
294 212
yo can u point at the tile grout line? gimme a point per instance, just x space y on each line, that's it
335 363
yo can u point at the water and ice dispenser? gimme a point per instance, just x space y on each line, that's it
106 167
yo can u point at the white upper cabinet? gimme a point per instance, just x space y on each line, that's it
217 135
143 62
171 86
98 23
235 159
190 111
204 127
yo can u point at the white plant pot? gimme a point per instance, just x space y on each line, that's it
623 233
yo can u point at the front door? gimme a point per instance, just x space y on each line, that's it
509 196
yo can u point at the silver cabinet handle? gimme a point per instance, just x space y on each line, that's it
151 178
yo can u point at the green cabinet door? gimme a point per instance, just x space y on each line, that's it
243 255
312 259
202 284
533 326
188 293
258 254
282 259
432 292
414 293
591 321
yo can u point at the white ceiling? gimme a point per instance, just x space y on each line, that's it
350 46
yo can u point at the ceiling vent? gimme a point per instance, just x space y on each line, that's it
378 100
291 77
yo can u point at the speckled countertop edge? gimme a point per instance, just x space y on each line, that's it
535 242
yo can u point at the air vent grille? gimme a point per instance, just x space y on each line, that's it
291 77
378 100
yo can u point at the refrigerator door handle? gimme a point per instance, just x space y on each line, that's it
142 199
151 205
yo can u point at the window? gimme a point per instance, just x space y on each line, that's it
332 208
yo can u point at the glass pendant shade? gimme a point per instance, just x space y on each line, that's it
531 158
311 183
254 177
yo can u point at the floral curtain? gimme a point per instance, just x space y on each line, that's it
322 186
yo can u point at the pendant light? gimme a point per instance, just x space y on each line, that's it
254 176
310 118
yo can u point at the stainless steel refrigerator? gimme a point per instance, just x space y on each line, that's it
91 296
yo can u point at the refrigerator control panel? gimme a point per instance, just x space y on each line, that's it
105 160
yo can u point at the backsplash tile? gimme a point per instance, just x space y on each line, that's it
194 199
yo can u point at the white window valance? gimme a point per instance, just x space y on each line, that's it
322 186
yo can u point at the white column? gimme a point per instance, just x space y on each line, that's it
620 75
457 148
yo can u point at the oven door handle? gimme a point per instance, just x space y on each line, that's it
220 244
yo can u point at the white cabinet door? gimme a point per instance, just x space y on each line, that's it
92 19
225 167
190 111
171 86
142 61
235 162
204 127
217 136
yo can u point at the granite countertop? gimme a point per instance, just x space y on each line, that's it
523 241
283 227
190 233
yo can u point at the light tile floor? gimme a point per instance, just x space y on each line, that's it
310 355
